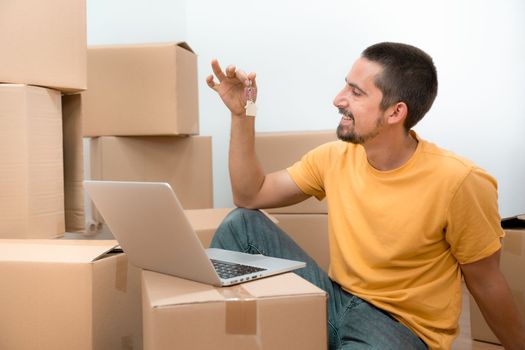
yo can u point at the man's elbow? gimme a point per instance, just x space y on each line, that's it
243 202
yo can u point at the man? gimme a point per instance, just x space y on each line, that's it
406 218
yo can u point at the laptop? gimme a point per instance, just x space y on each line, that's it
151 227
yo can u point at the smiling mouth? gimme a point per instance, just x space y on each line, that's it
347 115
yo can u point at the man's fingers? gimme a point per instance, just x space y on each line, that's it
211 82
217 70
251 77
241 75
230 71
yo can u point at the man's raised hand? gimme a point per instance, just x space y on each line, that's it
231 86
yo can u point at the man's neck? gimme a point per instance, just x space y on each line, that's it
390 152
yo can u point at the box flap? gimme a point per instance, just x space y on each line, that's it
167 291
185 45
54 251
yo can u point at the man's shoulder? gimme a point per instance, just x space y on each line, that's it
446 159
451 169
451 172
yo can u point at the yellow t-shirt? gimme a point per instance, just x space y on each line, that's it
397 237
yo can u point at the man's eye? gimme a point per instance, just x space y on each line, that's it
356 92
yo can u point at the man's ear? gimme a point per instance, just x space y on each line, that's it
397 113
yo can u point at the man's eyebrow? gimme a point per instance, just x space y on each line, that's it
355 86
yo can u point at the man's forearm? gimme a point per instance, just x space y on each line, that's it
501 313
246 173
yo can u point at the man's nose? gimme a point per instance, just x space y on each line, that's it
340 101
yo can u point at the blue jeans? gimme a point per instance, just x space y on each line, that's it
352 322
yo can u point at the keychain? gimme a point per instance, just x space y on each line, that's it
250 107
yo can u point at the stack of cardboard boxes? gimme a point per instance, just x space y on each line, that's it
56 294
141 114
306 222
43 55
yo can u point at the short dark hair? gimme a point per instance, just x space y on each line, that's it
408 76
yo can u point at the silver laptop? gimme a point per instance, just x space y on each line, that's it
150 225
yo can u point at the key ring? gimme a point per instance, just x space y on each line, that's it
249 93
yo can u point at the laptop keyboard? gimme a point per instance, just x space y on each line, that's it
228 270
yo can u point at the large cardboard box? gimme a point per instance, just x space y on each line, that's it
512 265
73 163
31 171
43 43
310 232
148 89
63 295
184 162
279 313
279 150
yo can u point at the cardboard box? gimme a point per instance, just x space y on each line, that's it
63 295
310 232
184 162
73 163
44 43
31 171
279 150
135 90
279 313
512 264
206 221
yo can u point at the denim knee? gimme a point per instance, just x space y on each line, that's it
238 218
231 233
242 213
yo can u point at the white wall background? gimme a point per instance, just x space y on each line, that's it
302 50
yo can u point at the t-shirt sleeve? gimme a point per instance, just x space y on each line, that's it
308 173
473 222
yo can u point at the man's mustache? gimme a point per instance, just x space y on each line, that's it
346 113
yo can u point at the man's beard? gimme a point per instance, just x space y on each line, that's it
348 134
